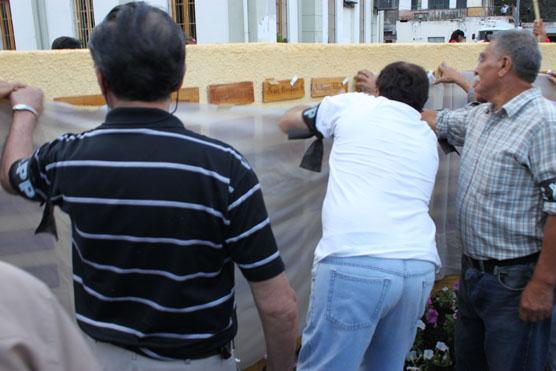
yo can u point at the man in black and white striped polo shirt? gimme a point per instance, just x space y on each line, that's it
160 215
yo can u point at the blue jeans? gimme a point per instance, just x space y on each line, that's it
363 313
489 334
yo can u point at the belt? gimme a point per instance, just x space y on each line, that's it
224 352
489 265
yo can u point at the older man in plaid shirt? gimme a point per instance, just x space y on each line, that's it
506 209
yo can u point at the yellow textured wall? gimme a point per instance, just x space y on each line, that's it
70 73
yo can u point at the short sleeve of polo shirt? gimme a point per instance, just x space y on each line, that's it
30 176
543 163
250 239
330 110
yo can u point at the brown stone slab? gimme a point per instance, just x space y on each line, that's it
83 100
277 91
189 95
236 93
476 12
326 86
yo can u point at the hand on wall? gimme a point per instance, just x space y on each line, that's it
365 82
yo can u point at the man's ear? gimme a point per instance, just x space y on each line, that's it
101 83
104 88
505 66
179 85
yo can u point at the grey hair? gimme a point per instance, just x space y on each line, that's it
139 51
523 49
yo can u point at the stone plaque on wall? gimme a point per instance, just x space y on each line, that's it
190 95
276 91
322 87
236 93
83 100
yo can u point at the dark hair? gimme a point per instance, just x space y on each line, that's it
140 52
523 49
66 42
404 82
456 34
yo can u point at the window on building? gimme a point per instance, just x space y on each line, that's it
7 28
183 13
461 4
281 20
416 4
439 4
84 20
331 21
436 39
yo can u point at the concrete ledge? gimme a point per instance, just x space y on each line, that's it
71 73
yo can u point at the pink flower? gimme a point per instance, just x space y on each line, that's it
455 286
432 316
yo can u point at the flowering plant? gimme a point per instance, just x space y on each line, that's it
433 348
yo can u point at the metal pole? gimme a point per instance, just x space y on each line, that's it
516 16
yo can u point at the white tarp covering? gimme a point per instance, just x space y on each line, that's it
293 197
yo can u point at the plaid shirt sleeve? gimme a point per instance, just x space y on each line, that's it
543 163
452 125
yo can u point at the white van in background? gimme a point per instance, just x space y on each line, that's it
489 27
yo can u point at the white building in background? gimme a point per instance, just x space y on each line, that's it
439 31
435 20
34 24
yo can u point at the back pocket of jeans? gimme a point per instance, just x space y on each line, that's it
355 302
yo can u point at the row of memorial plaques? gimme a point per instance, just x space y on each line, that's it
273 91
241 92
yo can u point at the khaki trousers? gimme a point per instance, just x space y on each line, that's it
114 358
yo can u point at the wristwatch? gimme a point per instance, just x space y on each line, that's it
25 107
